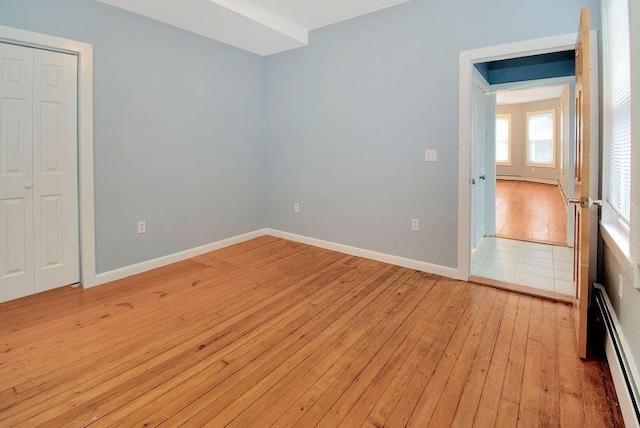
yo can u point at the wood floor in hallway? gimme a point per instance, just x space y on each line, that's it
275 333
530 212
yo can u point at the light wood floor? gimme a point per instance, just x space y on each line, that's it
271 332
530 212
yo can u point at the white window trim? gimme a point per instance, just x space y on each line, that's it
553 140
616 233
509 139
634 34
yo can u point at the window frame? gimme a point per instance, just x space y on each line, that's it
620 236
554 142
507 116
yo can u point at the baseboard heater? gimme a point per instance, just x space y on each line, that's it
621 370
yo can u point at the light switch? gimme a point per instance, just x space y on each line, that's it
430 155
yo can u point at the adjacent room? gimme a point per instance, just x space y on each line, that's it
279 213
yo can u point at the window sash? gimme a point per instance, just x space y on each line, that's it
503 142
538 135
617 108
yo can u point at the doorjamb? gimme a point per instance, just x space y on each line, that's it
467 61
84 52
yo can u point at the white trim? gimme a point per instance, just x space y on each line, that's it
175 257
529 179
84 53
634 36
623 393
467 61
618 243
368 254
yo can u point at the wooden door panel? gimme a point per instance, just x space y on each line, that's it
581 210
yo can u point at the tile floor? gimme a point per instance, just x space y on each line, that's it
542 266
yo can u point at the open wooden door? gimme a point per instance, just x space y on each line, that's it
582 200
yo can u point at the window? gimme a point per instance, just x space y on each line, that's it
503 139
541 141
620 218
617 111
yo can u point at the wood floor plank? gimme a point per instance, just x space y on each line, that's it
571 395
512 388
447 381
154 372
274 332
165 401
550 398
489 405
90 368
531 212
409 380
529 412
465 411
443 351
366 391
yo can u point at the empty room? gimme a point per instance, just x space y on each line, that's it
285 213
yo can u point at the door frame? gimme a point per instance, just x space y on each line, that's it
84 53
569 160
466 67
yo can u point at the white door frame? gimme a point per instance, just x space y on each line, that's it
84 52
467 61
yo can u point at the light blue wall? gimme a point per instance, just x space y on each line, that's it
626 309
180 125
179 129
349 118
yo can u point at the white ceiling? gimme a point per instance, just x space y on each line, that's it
263 27
519 96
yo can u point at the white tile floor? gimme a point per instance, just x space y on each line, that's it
542 266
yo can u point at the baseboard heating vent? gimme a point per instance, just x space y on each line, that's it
622 370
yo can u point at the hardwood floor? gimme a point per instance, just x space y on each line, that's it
530 212
272 332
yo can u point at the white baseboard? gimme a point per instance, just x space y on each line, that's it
624 370
529 179
368 254
120 273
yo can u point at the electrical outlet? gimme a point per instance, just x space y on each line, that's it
296 207
620 286
430 155
415 225
142 226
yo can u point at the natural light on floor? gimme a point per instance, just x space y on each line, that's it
542 266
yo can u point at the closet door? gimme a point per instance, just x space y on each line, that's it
16 175
55 170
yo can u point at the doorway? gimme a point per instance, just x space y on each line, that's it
469 60
527 245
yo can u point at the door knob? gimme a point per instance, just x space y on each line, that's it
473 181
585 202
482 177
28 185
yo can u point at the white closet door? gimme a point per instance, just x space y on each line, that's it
16 178
55 170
